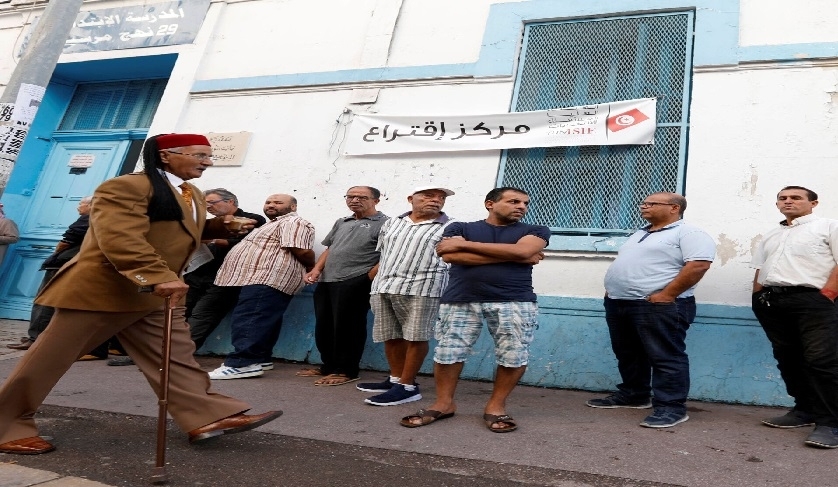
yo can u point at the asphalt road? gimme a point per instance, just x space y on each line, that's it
119 450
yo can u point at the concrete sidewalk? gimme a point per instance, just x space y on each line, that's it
720 445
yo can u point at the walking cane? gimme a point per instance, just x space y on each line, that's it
159 476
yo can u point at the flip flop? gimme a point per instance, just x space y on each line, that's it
491 419
309 373
425 416
340 379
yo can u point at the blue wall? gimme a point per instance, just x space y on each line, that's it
730 358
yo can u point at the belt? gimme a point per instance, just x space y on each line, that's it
790 289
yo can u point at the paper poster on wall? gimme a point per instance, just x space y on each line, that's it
81 160
229 149
27 103
617 123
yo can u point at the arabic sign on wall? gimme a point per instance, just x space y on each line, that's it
157 24
228 149
617 123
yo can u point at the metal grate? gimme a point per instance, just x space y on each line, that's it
594 189
117 105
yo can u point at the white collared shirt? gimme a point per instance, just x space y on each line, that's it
801 254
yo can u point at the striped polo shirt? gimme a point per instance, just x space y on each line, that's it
409 264
261 257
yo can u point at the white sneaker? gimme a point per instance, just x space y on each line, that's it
267 365
225 372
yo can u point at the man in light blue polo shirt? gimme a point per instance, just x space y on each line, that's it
649 306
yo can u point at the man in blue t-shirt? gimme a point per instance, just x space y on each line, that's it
490 280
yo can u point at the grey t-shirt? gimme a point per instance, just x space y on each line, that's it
352 244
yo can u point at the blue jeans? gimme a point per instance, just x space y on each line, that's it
256 323
803 330
648 341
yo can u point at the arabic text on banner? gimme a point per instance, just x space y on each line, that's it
617 123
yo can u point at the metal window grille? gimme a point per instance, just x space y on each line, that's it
115 105
594 190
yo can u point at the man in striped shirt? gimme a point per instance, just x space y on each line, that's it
269 265
405 293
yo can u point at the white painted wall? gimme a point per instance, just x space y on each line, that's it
754 128
771 22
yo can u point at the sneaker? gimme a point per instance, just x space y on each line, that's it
224 372
267 365
823 437
663 418
396 395
617 401
375 386
792 419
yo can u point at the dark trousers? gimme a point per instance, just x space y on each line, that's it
648 340
803 331
41 315
341 329
256 323
206 305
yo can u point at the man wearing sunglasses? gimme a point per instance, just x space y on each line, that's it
206 303
649 306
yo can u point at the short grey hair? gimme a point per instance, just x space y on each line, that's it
224 194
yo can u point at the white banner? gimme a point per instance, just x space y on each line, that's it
617 123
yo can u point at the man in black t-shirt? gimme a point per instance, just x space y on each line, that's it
490 279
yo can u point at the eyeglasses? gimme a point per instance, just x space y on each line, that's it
359 198
653 203
210 203
201 156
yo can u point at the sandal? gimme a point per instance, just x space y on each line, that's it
309 373
504 419
335 380
425 416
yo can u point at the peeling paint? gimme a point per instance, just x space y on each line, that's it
726 249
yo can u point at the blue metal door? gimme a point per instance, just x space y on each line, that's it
73 170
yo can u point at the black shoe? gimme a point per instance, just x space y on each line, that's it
121 361
24 344
617 401
792 419
823 437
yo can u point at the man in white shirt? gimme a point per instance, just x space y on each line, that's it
795 287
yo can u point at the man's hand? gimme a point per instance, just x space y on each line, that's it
660 297
312 276
535 259
248 225
175 289
449 245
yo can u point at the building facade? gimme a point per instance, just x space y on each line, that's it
730 77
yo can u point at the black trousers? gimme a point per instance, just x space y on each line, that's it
803 330
340 332
207 304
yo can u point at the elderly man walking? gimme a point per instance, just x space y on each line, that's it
143 228
795 287
649 306
268 265
342 298
406 291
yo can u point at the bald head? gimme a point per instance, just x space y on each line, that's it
279 204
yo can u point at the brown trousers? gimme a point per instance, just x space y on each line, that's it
72 333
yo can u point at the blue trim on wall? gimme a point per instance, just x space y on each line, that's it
716 43
730 357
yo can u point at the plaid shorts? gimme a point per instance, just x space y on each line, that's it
511 324
399 316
